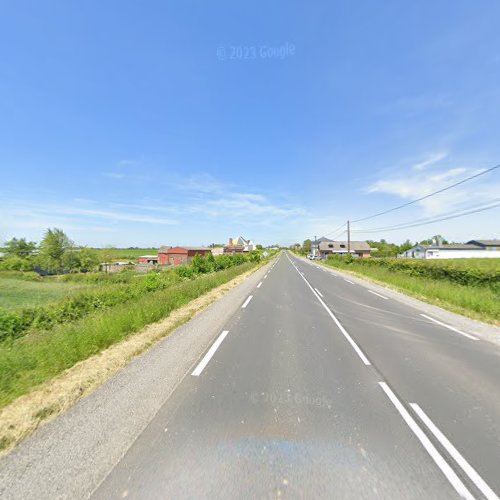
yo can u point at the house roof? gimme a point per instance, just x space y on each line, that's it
485 243
454 246
320 240
170 250
354 245
148 256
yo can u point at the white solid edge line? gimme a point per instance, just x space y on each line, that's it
265 276
349 281
449 327
426 443
355 346
319 293
455 454
258 286
378 295
249 298
209 354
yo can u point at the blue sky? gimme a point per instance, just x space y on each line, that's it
148 123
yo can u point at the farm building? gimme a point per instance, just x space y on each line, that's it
474 249
148 259
179 256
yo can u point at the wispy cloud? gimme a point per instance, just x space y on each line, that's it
417 182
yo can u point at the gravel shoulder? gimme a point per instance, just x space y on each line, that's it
69 456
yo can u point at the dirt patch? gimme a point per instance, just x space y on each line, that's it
24 415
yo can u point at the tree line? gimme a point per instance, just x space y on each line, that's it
55 254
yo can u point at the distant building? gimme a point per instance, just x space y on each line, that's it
484 249
217 250
324 247
356 248
148 259
179 256
239 245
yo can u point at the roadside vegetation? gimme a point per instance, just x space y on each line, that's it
38 343
467 286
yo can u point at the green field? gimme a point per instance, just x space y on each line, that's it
467 286
125 253
17 293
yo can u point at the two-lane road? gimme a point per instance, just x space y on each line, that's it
318 387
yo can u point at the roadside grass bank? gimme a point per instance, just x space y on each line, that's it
102 293
31 360
57 394
472 290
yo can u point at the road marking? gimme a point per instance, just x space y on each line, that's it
378 295
455 454
250 297
449 327
265 276
359 352
319 293
349 281
209 354
259 285
426 443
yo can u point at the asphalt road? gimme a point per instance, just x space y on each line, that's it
317 387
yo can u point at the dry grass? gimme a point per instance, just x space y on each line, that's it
27 413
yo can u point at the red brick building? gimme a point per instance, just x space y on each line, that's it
179 256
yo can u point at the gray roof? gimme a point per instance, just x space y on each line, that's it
453 246
320 240
485 243
355 245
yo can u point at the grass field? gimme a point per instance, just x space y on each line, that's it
16 293
125 253
470 287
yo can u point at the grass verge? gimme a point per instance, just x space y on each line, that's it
41 392
480 303
31 360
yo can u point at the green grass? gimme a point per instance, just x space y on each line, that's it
477 302
39 356
126 253
16 293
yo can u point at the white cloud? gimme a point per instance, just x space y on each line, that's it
433 159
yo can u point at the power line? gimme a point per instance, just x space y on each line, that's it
423 222
335 230
429 195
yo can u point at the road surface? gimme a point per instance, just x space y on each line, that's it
318 387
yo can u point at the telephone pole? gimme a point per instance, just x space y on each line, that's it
348 238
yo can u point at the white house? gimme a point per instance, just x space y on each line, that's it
474 249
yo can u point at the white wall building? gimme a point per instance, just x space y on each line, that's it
474 249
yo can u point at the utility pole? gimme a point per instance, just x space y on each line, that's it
348 238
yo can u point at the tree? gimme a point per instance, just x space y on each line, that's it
259 247
19 248
405 246
306 246
53 247
435 239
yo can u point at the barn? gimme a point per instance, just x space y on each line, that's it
179 256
